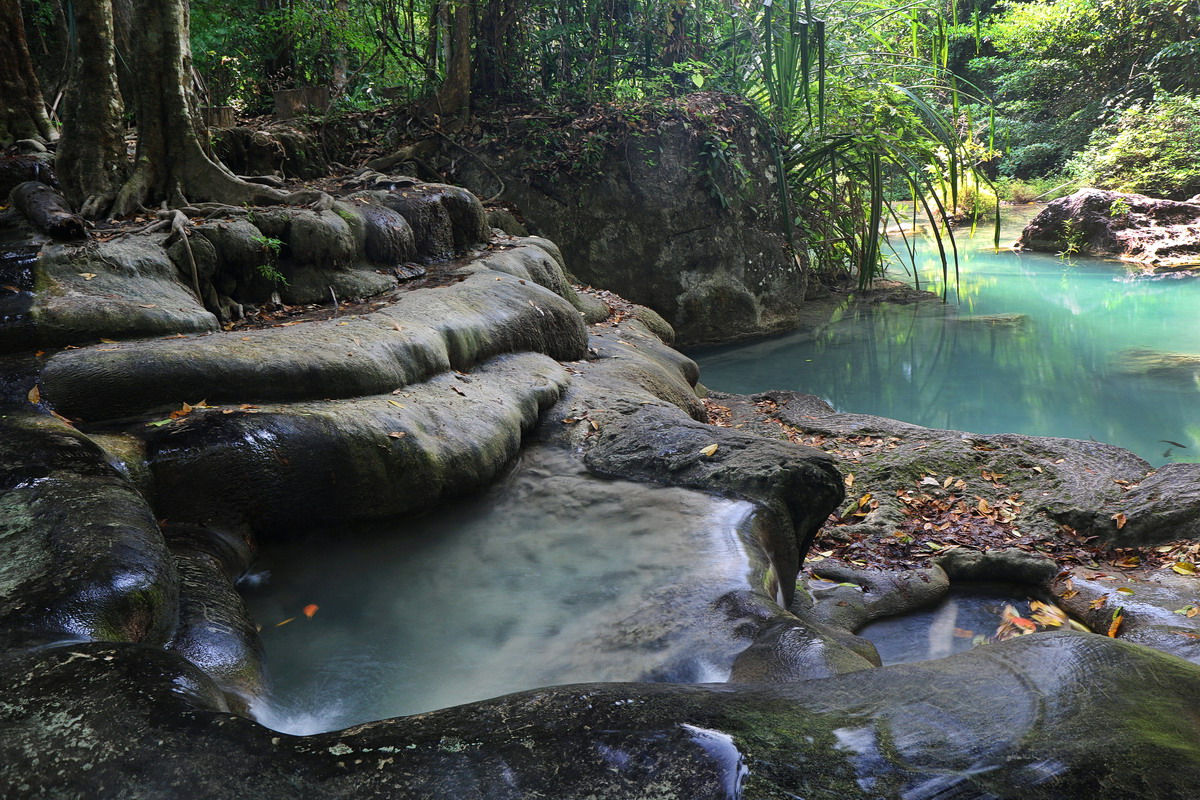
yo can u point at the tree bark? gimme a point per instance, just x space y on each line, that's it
90 161
171 163
22 110
453 99
496 47
341 57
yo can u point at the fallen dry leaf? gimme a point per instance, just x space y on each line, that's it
709 451
1117 616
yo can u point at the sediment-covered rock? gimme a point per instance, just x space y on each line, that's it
1163 235
1091 487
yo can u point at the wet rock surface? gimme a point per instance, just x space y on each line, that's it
1164 235
1046 716
1029 486
129 661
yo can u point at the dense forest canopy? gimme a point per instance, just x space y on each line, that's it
953 104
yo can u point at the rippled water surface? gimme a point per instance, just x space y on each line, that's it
1083 350
550 577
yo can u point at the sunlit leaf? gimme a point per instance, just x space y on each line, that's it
1184 567
1125 590
87 276
709 451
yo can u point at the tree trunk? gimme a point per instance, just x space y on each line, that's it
171 163
341 57
453 99
495 47
91 162
22 110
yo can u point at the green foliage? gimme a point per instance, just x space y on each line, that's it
1150 149
268 269
721 164
1060 68
862 102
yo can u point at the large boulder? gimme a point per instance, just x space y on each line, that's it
1163 235
677 210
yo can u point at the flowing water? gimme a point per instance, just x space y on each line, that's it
1038 345
552 576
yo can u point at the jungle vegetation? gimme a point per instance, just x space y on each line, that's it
951 102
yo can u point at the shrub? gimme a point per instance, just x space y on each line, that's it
1150 150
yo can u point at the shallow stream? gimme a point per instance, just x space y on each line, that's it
1039 345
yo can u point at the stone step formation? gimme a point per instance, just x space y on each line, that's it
149 439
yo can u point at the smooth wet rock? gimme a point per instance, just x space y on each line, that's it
425 332
1181 368
277 466
215 631
1164 235
120 289
1045 716
1153 609
389 237
447 221
1009 565
648 442
82 556
874 594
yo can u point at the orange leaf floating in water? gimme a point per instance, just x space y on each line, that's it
310 609
285 622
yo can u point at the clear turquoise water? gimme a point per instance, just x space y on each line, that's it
1057 372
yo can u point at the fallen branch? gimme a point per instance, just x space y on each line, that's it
47 210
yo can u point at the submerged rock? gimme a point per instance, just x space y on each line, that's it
1164 235
1142 361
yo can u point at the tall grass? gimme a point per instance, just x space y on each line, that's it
860 99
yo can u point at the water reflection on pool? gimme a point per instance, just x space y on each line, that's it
1039 345
969 615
